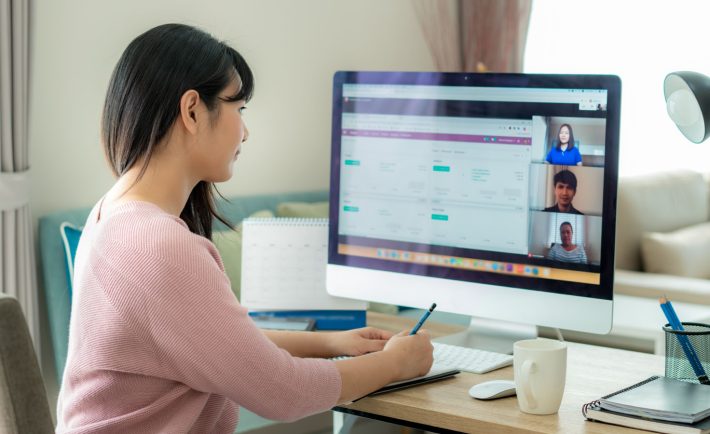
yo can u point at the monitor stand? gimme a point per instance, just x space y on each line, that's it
490 335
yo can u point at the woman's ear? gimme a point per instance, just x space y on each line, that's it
189 104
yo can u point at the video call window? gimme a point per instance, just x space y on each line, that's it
567 189
578 235
569 141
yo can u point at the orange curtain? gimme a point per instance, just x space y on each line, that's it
475 35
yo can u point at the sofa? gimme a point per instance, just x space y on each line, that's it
663 237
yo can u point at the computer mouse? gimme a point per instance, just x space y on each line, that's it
493 389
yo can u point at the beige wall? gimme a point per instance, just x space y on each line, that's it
293 47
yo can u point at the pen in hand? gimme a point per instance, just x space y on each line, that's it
422 319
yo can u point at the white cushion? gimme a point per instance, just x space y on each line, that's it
676 288
685 252
659 202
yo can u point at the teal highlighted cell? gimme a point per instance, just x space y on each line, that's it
442 168
348 208
442 217
352 162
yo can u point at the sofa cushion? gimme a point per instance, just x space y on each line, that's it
660 202
303 209
229 245
70 241
676 288
685 252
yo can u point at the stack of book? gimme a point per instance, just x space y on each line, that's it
656 404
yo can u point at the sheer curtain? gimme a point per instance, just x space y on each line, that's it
17 260
475 35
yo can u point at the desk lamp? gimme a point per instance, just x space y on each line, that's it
687 96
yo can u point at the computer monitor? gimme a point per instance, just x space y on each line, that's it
493 195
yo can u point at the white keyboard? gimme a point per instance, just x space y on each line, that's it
469 359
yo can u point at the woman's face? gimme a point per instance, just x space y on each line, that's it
564 135
223 137
566 235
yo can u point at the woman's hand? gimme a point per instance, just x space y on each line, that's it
358 341
402 357
414 353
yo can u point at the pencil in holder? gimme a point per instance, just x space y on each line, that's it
677 363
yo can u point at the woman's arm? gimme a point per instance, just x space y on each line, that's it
406 357
330 344
300 344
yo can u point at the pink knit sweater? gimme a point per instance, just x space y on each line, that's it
159 343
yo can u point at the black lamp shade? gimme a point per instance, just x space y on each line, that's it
687 96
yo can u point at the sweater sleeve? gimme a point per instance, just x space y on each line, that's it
170 287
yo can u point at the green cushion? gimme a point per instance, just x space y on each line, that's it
229 245
70 240
302 209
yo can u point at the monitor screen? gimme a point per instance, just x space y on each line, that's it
489 194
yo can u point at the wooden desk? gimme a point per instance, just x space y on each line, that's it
445 406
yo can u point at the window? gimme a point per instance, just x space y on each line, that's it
641 42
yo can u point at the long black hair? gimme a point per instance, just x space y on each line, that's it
143 101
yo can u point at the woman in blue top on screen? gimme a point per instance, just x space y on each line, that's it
565 153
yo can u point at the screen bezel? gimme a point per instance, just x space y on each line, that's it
372 268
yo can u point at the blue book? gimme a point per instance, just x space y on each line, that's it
325 319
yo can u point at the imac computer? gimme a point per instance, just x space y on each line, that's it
492 195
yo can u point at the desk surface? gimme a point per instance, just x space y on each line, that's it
591 372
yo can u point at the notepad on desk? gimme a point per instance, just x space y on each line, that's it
436 373
658 404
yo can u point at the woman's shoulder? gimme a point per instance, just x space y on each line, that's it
144 227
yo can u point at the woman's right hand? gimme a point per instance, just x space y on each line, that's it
415 353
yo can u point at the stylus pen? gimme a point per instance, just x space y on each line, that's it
683 340
422 319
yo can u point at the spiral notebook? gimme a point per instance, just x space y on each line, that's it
283 273
658 404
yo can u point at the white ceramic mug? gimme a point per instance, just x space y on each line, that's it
540 367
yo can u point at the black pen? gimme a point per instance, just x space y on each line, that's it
421 321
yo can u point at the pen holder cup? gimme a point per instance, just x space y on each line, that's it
677 364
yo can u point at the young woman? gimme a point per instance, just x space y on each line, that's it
158 342
565 153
